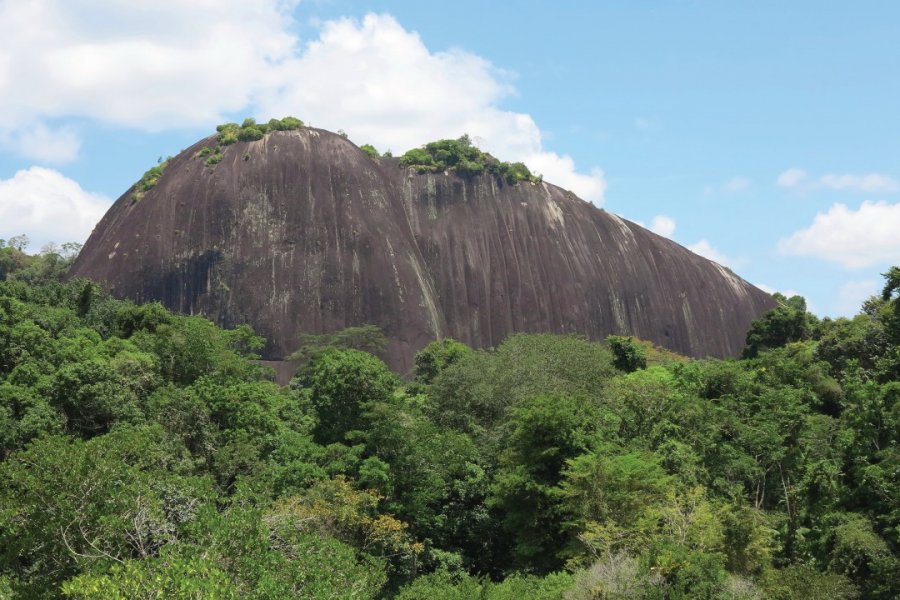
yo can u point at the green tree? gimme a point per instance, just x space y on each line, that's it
170 575
342 384
434 479
856 551
475 393
365 338
437 356
67 505
787 322
613 500
370 150
544 433
627 355
890 294
250 134
240 553
797 582
847 344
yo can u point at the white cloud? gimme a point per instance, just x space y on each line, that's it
48 145
47 206
380 83
870 182
663 225
791 178
172 64
771 290
560 170
736 185
789 293
867 182
853 238
706 250
148 65
852 294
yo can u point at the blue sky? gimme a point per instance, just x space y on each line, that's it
764 135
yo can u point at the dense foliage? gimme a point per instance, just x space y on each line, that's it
145 454
462 157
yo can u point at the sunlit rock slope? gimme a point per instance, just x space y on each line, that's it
303 232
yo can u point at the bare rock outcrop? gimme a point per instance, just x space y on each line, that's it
302 232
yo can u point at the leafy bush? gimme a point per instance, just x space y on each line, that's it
250 123
249 130
451 586
421 159
366 338
628 355
370 150
462 157
802 581
148 180
250 134
285 124
788 322
515 172
228 133
437 356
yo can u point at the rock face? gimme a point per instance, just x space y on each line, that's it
301 232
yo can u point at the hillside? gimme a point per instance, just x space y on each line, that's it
300 231
145 454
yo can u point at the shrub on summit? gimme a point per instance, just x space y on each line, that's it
462 157
250 131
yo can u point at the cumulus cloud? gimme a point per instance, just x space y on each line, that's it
381 84
148 65
560 170
870 182
867 182
172 64
853 238
706 250
771 290
663 225
48 207
48 145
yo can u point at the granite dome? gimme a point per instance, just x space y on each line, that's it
303 232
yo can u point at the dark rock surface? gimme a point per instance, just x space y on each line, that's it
303 232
